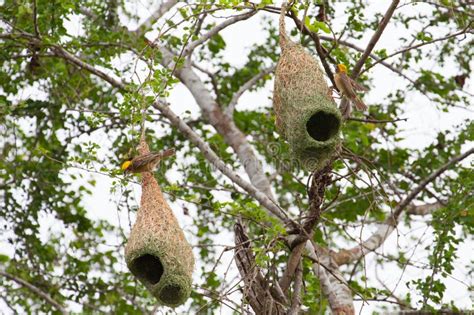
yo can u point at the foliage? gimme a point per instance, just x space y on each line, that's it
64 129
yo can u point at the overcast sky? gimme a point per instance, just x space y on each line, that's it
423 123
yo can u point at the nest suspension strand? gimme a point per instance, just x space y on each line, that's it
306 115
157 252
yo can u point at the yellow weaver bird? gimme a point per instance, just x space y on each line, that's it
146 162
348 87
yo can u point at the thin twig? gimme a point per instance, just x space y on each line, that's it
297 287
158 13
376 121
463 31
35 290
35 19
247 85
375 38
359 49
191 46
212 157
385 229
319 48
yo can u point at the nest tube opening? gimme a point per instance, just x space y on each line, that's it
171 293
148 268
162 272
322 126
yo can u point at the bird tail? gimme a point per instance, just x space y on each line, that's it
167 153
359 104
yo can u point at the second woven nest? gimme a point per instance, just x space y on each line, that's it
306 115
157 252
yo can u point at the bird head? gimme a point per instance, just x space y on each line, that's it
341 68
126 165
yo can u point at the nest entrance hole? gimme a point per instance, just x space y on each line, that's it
148 268
171 294
322 126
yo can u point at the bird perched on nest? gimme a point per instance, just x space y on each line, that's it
146 162
348 87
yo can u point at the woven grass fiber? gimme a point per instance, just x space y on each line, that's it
157 252
306 115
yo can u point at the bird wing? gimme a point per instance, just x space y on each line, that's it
167 153
343 83
357 86
151 157
144 159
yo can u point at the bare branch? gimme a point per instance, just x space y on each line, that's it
376 121
191 46
402 205
61 52
257 289
404 50
319 181
164 7
378 238
423 209
212 157
297 287
45 296
35 18
319 48
333 285
344 106
247 85
375 38
233 136
291 266
385 64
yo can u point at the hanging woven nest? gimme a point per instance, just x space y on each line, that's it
157 252
306 115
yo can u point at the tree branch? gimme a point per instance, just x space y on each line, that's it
297 287
319 181
333 285
247 85
385 64
36 291
35 19
463 31
224 125
257 290
423 209
375 38
191 46
291 266
164 7
376 121
212 157
449 8
319 48
235 136
383 232
61 52
344 106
